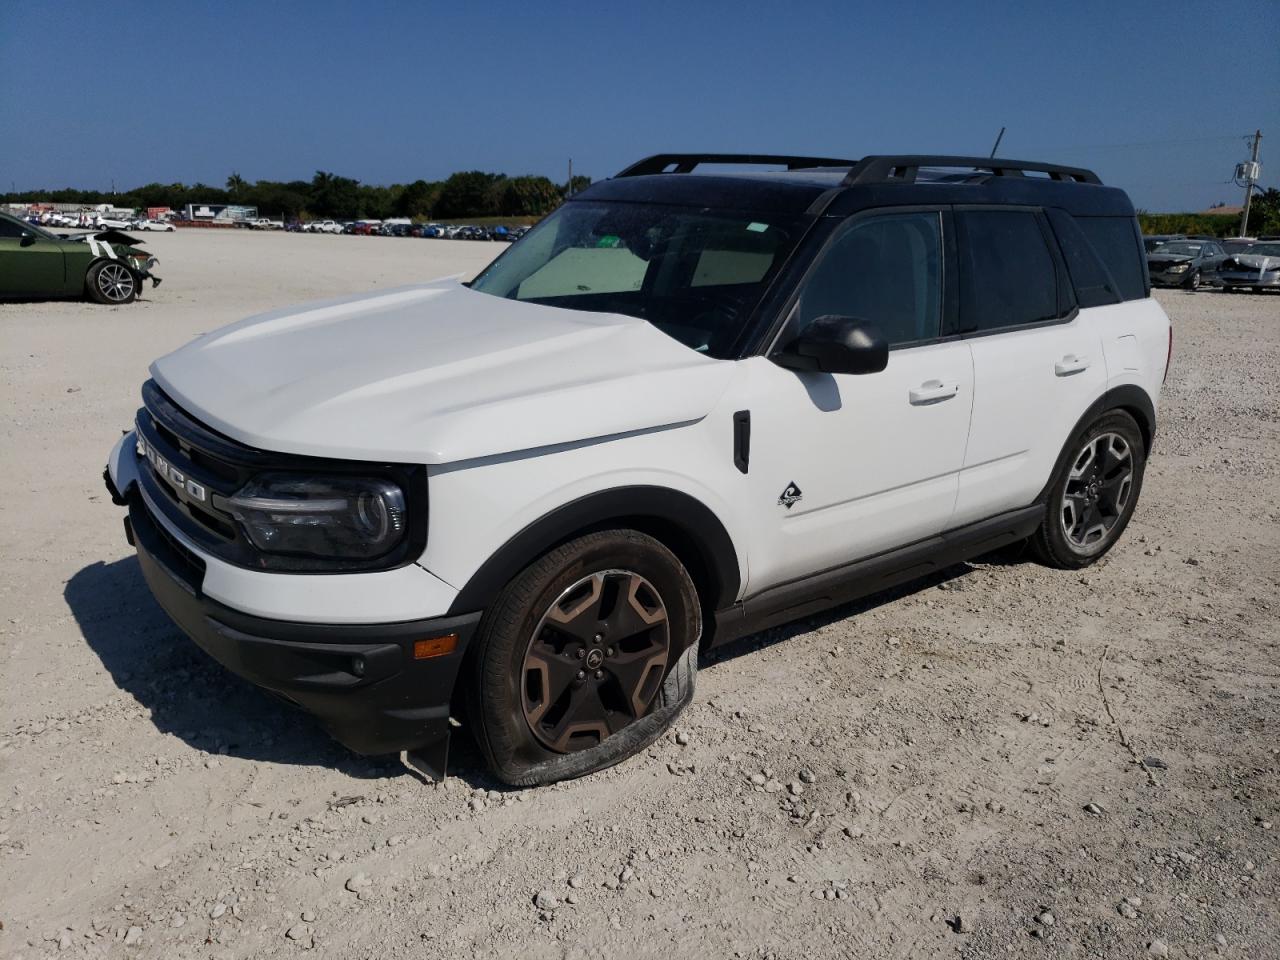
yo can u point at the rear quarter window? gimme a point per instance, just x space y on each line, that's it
1115 241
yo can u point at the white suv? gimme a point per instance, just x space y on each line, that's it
684 407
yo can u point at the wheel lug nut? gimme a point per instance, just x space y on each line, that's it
582 674
599 674
609 652
581 653
598 638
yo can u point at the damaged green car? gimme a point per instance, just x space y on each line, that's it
107 266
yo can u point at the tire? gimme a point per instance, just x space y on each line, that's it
1193 281
1093 493
552 694
111 282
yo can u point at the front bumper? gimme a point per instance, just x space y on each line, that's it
1270 278
361 681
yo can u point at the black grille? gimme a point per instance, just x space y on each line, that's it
200 469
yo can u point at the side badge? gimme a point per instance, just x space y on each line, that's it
790 496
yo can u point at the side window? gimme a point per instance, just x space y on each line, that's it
886 270
1115 240
9 229
1007 273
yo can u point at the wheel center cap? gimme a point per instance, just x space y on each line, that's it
594 659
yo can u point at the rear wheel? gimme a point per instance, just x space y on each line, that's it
110 281
584 659
1093 494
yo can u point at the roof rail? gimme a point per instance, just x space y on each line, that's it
686 162
905 168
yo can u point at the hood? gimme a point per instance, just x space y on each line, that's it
1252 261
436 373
1156 256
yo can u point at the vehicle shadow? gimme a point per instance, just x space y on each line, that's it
186 692
192 697
1012 555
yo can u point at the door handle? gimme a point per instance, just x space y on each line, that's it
933 391
1070 364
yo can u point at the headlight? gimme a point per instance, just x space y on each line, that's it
1178 268
342 517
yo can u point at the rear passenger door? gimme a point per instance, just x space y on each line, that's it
1037 365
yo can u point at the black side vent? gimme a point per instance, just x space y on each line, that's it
742 440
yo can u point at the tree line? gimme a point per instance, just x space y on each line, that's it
1264 220
472 193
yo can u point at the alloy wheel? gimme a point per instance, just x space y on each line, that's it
595 661
115 282
1097 491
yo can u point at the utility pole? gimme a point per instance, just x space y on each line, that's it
569 189
1248 186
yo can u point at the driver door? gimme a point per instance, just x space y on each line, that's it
847 466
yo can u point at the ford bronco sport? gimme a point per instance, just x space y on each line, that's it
690 404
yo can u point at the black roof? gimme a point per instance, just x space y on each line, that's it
820 185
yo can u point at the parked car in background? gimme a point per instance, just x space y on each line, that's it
162 226
1256 269
264 223
1185 263
109 223
324 226
1152 242
1237 244
107 266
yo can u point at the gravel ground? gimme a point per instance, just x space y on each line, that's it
1002 761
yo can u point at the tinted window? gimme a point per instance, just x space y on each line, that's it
694 274
1094 286
1007 274
1115 240
9 228
886 270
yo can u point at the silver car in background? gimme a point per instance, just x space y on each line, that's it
1257 269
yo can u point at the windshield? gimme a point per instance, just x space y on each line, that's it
1264 250
695 274
1236 246
1180 249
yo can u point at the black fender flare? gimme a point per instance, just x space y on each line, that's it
687 526
1128 397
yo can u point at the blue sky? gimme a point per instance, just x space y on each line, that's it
1156 97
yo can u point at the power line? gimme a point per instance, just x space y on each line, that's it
1151 143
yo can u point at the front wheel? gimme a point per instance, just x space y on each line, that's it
1193 281
1093 494
111 282
584 659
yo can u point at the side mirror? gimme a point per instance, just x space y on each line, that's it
27 239
833 344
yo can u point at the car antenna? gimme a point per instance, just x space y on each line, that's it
996 145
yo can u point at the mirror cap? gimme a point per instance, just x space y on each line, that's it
833 344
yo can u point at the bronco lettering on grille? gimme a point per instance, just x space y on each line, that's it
175 477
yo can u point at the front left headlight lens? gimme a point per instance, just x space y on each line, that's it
333 517
1178 268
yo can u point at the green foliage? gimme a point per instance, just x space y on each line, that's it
468 194
1264 218
528 196
1264 214
464 196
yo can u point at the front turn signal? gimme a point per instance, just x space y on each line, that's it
435 647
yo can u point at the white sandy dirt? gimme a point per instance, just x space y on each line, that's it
940 771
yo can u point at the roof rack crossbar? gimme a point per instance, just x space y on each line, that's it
687 162
904 168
